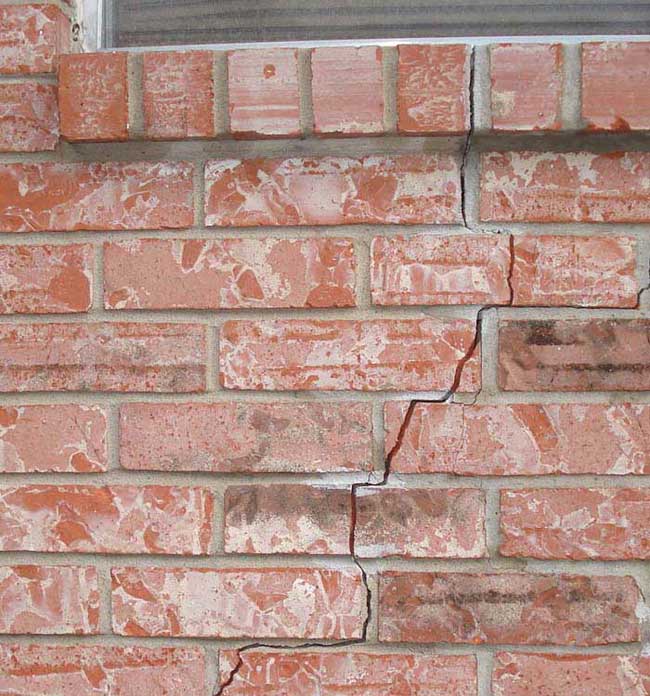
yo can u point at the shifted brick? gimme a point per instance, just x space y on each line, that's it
306 603
574 355
347 90
53 438
507 608
258 437
520 439
287 518
526 86
616 85
103 357
565 187
229 273
420 523
371 355
93 97
429 269
60 197
378 189
43 599
302 673
576 523
45 279
178 95
29 117
263 93
433 89
91 670
106 519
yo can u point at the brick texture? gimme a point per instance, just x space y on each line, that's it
29 117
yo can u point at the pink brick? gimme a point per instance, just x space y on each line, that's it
428 269
526 86
433 89
289 437
263 94
55 438
521 674
582 271
229 273
306 603
357 674
93 97
49 599
103 357
29 117
420 523
347 90
178 95
576 523
403 189
31 38
287 518
616 85
53 196
565 187
507 608
106 519
46 279
96 670
521 439
372 355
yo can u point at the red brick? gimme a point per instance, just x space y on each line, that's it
347 90
378 189
61 438
239 603
289 437
178 95
103 357
567 270
53 196
565 187
433 89
31 38
521 674
93 670
428 269
29 117
263 94
521 439
229 273
576 523
526 86
514 608
373 355
106 519
93 97
49 599
616 85
356 674
572 355
45 279
286 518
420 523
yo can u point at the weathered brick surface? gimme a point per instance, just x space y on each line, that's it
229 273
405 189
306 603
515 608
376 355
29 117
570 355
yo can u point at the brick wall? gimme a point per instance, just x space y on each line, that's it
299 398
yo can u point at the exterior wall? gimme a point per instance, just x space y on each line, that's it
323 371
